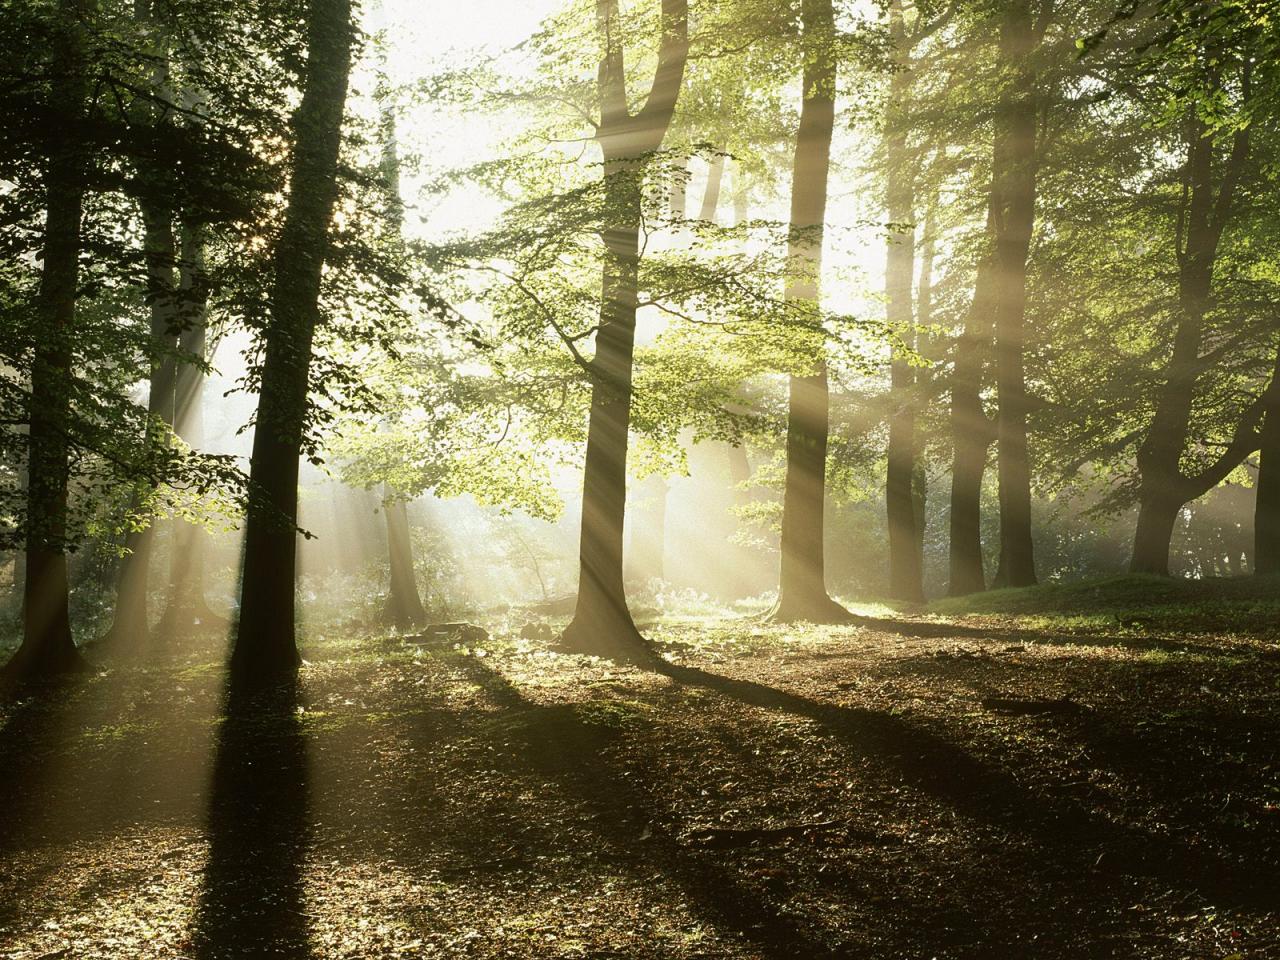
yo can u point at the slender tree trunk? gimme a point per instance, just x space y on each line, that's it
802 591
130 623
1266 511
404 605
924 316
265 647
711 196
185 605
906 579
47 645
971 433
1163 488
602 622
1014 186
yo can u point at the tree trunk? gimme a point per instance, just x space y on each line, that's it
185 606
404 605
711 196
130 625
1266 511
906 579
802 591
265 647
47 645
602 623
1157 516
1014 186
1163 488
971 433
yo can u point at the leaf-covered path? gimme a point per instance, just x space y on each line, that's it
900 788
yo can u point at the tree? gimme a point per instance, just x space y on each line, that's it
265 646
1013 200
802 591
1207 202
602 622
906 574
47 644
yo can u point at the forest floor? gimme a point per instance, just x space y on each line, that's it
1091 772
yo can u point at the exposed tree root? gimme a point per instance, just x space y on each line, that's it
810 610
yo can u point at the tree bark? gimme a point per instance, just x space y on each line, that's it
265 647
602 623
906 578
185 606
130 625
971 433
1163 488
1266 511
47 644
1014 189
404 605
711 196
802 591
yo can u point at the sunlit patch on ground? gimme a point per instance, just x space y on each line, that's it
910 785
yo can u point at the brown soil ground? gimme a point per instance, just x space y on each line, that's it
897 789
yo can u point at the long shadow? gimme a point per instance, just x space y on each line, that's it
927 629
576 758
252 900
930 763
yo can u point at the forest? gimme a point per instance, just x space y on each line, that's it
640 479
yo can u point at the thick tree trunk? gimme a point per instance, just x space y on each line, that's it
265 647
47 645
404 605
906 579
802 591
1014 187
602 623
1157 516
1163 488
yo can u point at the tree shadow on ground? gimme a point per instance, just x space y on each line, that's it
559 744
1078 837
252 899
1046 637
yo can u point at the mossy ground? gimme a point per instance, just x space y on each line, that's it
509 802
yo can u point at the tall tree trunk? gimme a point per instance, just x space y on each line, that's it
1014 188
185 606
1266 511
971 435
404 605
602 622
924 316
47 645
711 196
265 647
130 624
1163 489
906 578
802 590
